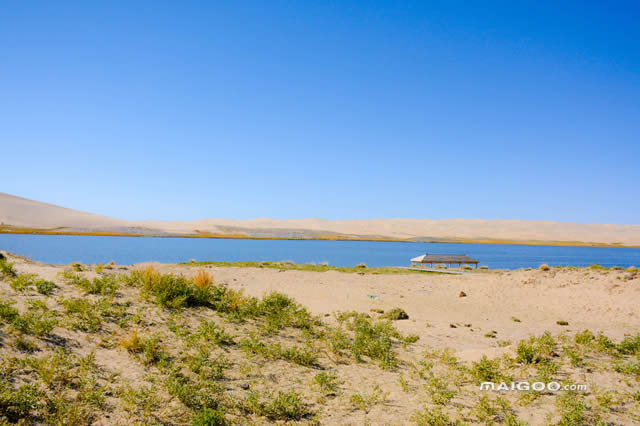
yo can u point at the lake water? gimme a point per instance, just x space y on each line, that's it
63 249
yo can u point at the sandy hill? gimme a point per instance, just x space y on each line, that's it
20 212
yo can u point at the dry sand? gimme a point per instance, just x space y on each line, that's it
601 301
21 212
595 300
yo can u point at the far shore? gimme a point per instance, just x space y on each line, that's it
319 237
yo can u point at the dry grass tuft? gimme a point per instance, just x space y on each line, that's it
202 279
131 342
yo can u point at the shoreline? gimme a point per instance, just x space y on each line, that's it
34 231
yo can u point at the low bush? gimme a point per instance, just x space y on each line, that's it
325 382
169 290
487 370
37 320
438 390
25 282
305 356
432 417
147 347
395 314
6 269
209 417
535 349
373 339
630 345
103 285
366 401
202 278
86 315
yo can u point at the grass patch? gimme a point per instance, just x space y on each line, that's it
487 370
25 282
148 348
574 410
305 356
432 417
438 390
38 320
6 269
102 285
169 290
535 349
366 401
326 382
288 266
373 339
286 406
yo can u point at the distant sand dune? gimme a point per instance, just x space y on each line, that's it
20 212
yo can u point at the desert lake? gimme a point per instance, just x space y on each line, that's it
62 249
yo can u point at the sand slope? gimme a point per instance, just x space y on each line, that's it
21 212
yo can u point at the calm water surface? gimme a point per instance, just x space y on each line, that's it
62 249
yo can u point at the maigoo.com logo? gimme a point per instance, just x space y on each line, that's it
527 387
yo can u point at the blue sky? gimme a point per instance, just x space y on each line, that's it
343 110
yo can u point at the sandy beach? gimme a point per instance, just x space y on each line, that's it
455 320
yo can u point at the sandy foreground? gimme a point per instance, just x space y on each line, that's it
476 315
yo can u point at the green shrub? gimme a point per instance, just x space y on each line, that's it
6 269
630 345
208 368
307 356
432 417
366 401
209 417
286 406
147 347
574 410
85 315
169 290
24 282
18 404
544 267
280 311
38 320
487 411
535 349
45 287
103 285
631 368
25 345
439 391
196 395
209 331
487 370
326 382
584 338
372 339
7 312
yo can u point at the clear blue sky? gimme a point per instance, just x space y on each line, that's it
342 110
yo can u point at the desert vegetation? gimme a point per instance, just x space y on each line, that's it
110 345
